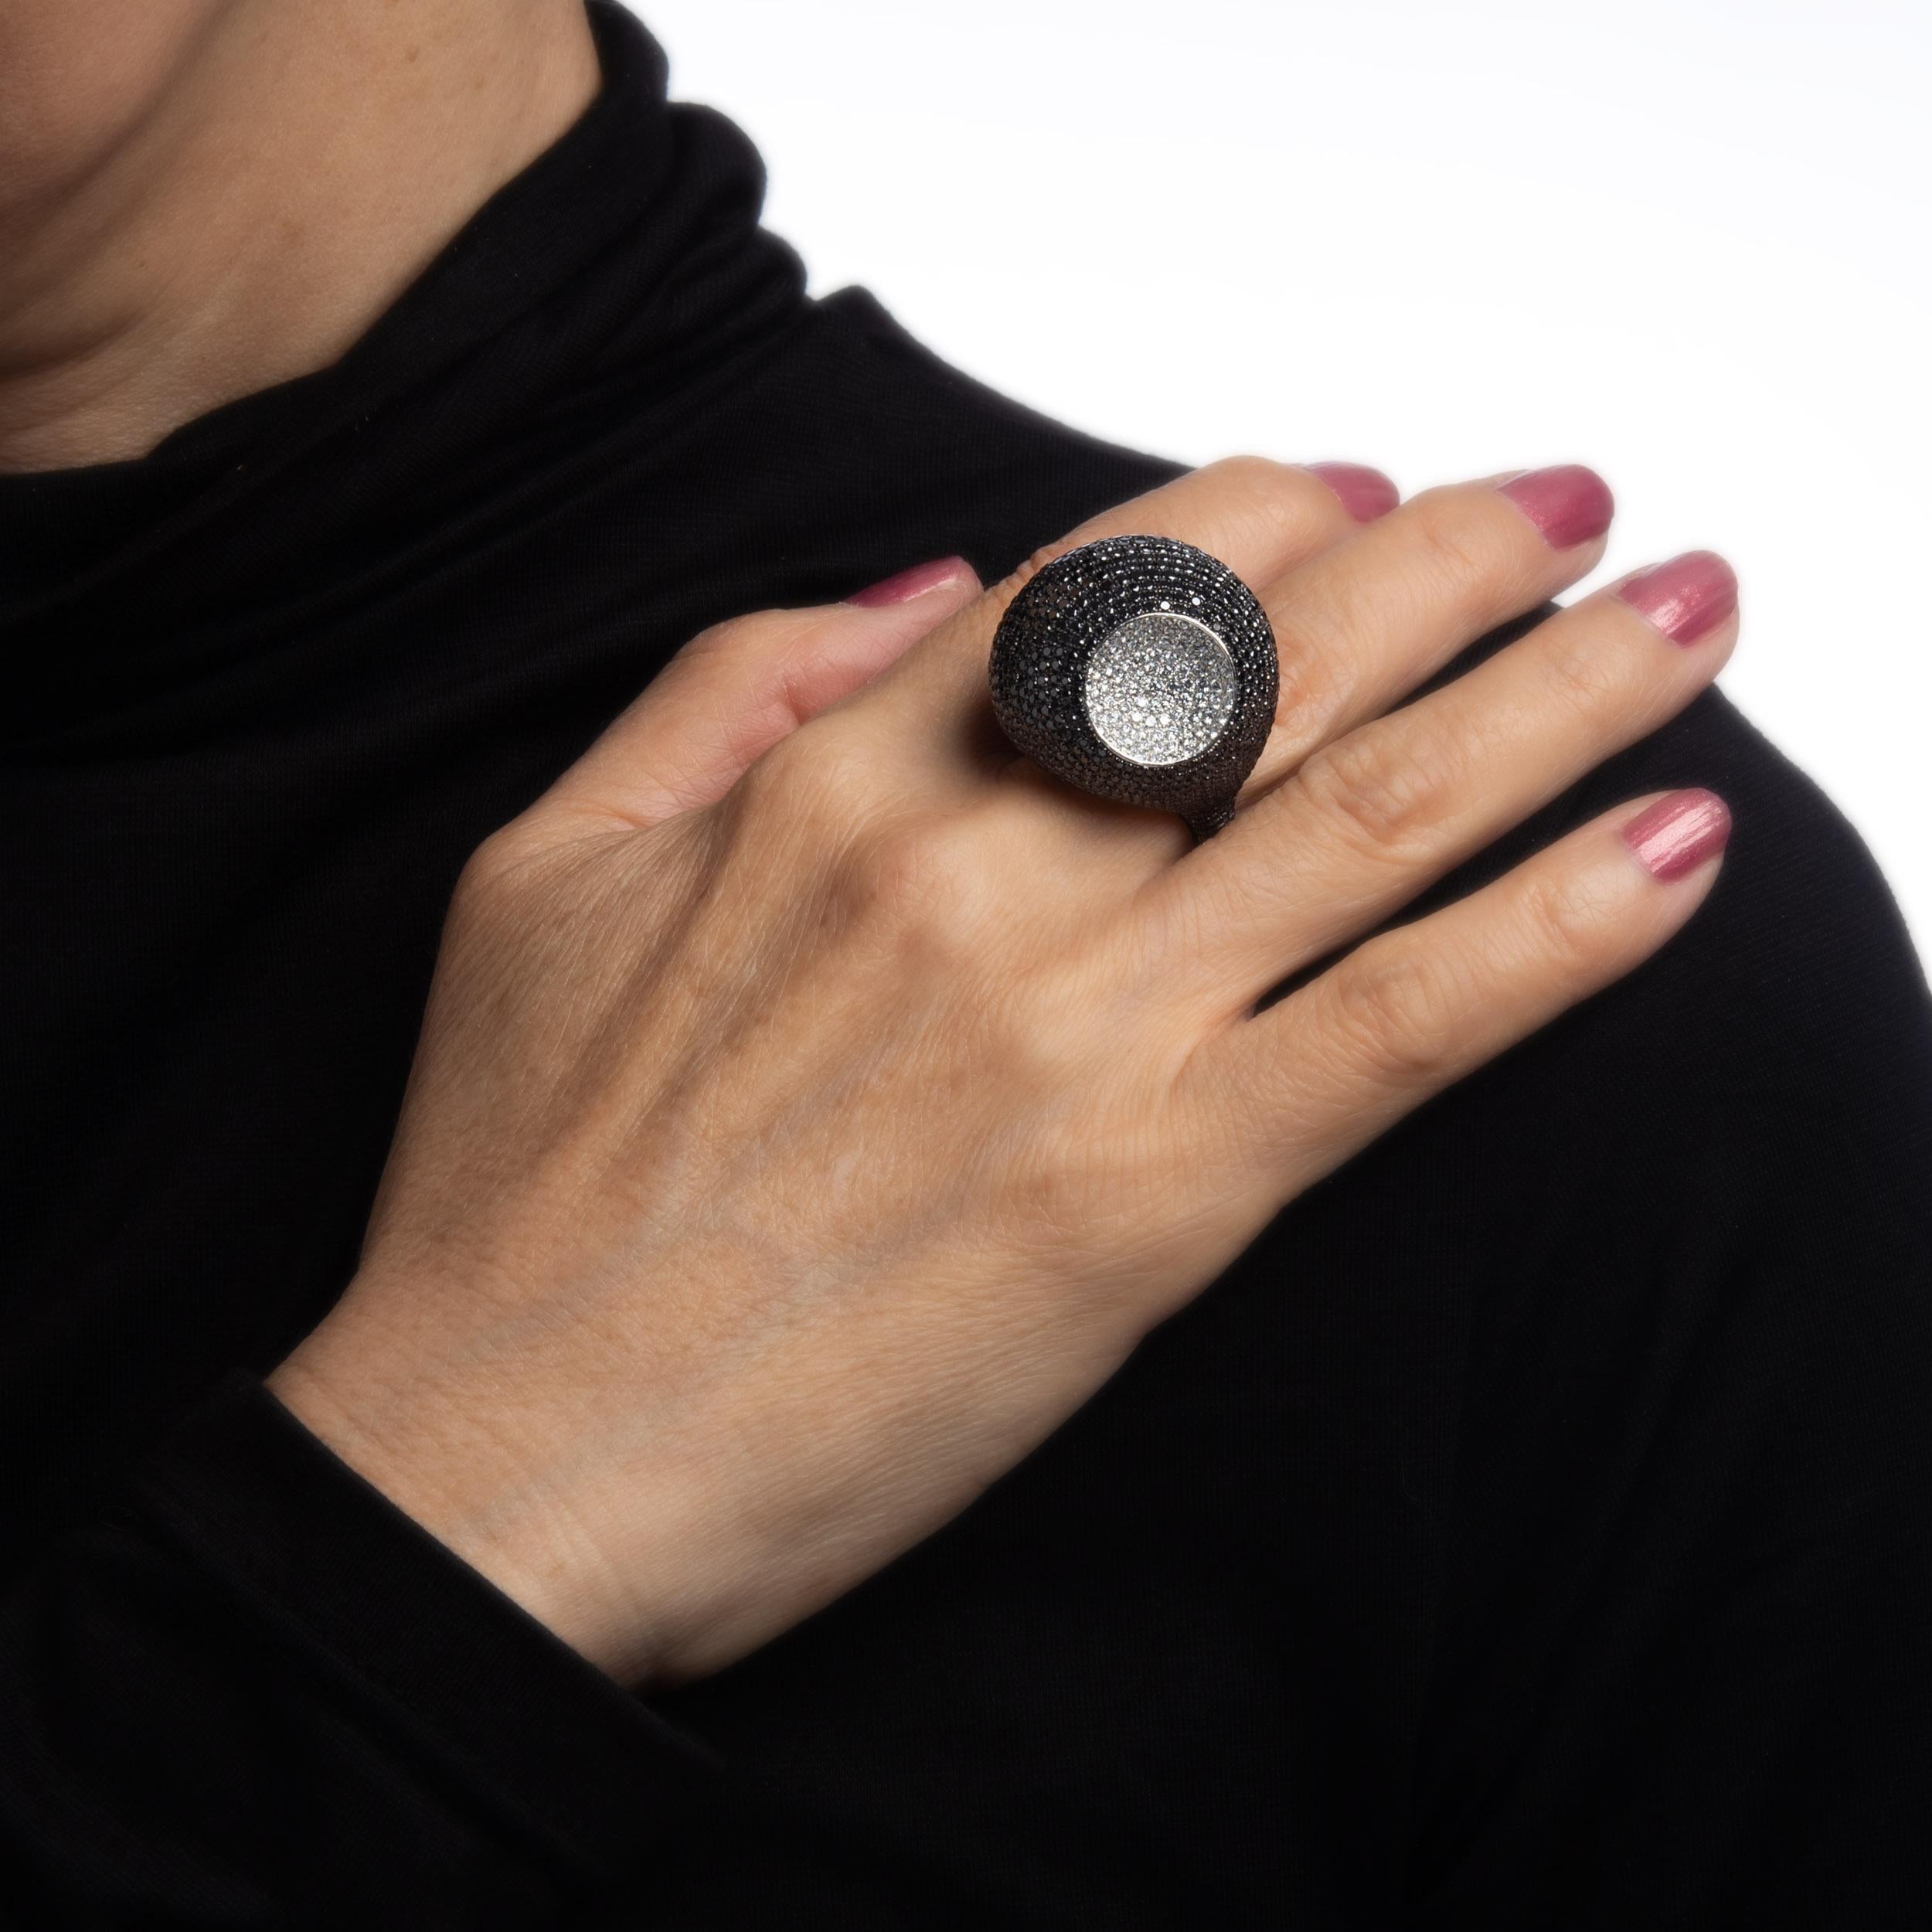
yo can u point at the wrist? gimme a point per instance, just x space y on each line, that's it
451 1466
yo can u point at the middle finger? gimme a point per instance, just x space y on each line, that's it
1360 625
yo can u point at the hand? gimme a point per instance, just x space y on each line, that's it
809 1116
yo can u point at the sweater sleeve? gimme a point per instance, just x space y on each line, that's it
254 1692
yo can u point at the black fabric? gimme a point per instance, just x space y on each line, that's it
1531 1530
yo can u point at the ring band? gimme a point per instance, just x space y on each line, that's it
1141 669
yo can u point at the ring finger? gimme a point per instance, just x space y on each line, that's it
1360 626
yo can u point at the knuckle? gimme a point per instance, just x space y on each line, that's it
775 783
1395 1012
1256 504
1066 1193
506 884
1045 1197
1457 553
927 882
1011 585
1572 924
1382 790
815 778
1586 677
1304 704
754 634
1267 505
1031 1036
1315 649
1097 1143
1246 471
484 880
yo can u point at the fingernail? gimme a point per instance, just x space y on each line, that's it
1679 832
918 582
1366 494
1568 504
1687 598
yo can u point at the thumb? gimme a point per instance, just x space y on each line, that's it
735 690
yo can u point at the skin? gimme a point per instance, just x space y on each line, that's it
200 198
816 1104
809 1117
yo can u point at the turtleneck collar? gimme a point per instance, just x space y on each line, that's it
620 275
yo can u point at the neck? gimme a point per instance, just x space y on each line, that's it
293 166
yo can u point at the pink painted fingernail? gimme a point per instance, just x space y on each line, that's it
1679 832
920 581
1568 504
1687 598
1366 494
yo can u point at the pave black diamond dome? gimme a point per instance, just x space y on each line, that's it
1142 669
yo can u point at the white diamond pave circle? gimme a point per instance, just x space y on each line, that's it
1160 688
1069 608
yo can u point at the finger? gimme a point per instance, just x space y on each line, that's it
1361 625
735 690
1261 518
1321 1073
1369 820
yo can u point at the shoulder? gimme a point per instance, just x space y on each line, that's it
871 428
890 436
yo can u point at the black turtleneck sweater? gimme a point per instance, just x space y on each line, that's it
1532 1530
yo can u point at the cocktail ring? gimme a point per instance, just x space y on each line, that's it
1142 669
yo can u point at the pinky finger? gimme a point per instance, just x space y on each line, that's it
1321 1073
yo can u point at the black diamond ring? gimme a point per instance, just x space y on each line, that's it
1141 669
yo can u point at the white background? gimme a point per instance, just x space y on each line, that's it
1686 244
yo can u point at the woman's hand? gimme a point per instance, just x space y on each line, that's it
809 1116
